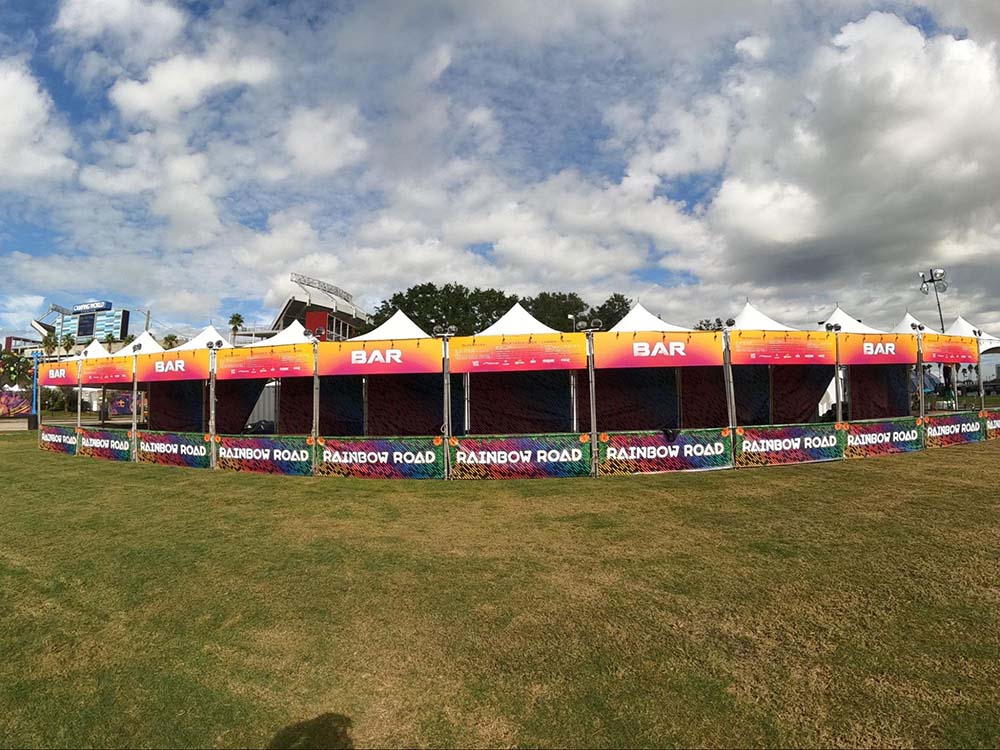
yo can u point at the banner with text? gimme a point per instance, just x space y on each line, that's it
111 445
656 349
107 371
992 419
520 456
172 365
275 454
381 458
787 444
58 373
877 349
545 351
882 437
175 449
942 430
654 452
57 438
293 361
949 350
380 357
782 348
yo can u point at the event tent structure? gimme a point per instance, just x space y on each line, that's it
988 343
208 335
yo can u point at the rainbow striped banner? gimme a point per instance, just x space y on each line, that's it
175 449
381 458
881 437
673 450
520 456
788 444
111 445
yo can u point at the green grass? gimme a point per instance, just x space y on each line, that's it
853 603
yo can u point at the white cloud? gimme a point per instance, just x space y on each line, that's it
16 310
321 142
753 47
138 30
33 143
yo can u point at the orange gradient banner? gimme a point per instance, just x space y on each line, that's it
656 349
183 365
950 350
58 373
544 351
878 349
292 361
380 357
107 371
782 348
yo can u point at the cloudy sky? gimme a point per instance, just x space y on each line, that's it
184 157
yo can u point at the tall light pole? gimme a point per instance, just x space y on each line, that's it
445 332
589 328
938 278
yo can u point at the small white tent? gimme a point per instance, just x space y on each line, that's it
752 319
515 322
847 323
145 344
94 350
295 333
641 319
208 334
907 323
962 327
398 327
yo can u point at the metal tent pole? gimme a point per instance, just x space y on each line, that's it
467 415
727 373
135 403
839 388
594 448
315 405
573 410
446 410
211 408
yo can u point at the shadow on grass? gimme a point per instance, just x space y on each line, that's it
325 731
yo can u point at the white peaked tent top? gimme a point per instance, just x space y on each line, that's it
962 327
399 326
641 319
94 350
752 319
148 345
294 334
847 323
200 341
516 321
906 325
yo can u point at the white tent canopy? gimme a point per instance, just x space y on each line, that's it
752 319
516 322
294 334
146 343
94 350
847 323
641 319
907 323
202 339
962 327
399 326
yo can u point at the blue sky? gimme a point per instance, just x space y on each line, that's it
186 157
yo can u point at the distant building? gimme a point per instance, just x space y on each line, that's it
85 322
320 306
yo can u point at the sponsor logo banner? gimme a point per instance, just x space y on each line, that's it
380 357
651 349
381 458
184 365
276 454
547 351
782 348
175 449
676 450
107 371
953 429
264 362
58 439
877 349
112 445
787 444
58 373
949 349
882 437
992 419
520 456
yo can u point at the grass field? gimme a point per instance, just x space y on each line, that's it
855 603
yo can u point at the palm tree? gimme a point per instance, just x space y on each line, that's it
109 339
68 342
169 341
235 323
50 342
129 339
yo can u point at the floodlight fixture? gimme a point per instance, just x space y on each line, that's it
581 325
938 274
730 322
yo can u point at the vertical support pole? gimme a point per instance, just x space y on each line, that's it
920 388
135 404
35 400
446 407
79 400
211 408
727 373
979 373
839 388
594 448
364 405
315 421
573 410
466 413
